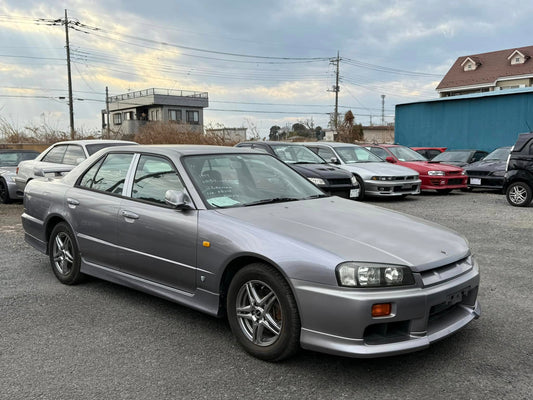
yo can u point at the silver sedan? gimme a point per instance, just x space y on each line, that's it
238 234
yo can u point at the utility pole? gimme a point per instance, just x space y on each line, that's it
107 112
383 110
70 102
336 89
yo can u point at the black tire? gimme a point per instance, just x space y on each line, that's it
361 188
444 191
4 193
268 326
519 194
64 255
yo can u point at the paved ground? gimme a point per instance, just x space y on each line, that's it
98 340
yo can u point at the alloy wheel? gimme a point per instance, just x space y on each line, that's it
259 313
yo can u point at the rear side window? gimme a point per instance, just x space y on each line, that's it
55 155
74 155
108 175
326 154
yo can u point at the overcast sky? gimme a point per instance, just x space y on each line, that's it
263 63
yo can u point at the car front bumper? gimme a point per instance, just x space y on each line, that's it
443 182
485 182
391 188
339 321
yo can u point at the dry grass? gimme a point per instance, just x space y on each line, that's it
170 133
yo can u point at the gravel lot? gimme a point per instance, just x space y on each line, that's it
99 340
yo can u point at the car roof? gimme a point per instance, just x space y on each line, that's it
182 149
331 144
93 141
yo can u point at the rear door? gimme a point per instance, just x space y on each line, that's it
94 203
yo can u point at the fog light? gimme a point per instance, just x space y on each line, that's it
381 310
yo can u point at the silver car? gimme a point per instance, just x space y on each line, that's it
376 177
59 159
9 160
239 234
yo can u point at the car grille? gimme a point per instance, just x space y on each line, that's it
340 182
453 173
477 173
455 181
444 273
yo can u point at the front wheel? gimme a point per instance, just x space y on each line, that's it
64 255
519 194
262 313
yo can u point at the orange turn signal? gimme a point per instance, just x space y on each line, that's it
206 243
381 310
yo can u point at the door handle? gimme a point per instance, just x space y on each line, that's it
72 202
129 214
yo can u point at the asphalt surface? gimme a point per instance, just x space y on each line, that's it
98 340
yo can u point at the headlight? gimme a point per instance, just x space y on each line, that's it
498 173
381 178
354 181
438 173
359 274
317 181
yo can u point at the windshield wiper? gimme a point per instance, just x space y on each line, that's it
309 162
316 196
270 201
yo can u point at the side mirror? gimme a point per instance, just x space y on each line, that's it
390 159
178 199
334 160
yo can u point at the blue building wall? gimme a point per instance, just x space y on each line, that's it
482 121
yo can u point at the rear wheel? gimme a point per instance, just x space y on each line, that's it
262 313
4 193
519 194
64 255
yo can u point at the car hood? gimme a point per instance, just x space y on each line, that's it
424 166
378 168
357 232
488 165
320 171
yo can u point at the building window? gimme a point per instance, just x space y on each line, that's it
128 115
193 117
174 115
517 59
155 115
117 119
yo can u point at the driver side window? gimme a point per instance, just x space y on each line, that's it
153 177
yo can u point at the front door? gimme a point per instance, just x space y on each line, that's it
157 242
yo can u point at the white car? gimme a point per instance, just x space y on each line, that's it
376 177
60 158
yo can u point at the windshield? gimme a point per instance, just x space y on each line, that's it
403 153
353 154
500 154
457 156
296 154
12 158
238 180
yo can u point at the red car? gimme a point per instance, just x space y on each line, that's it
440 177
429 152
